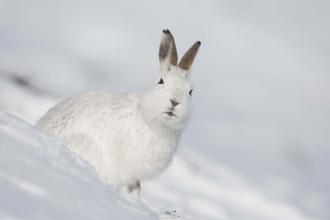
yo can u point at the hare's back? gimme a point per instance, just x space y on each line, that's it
90 109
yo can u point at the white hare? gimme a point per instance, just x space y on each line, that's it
132 136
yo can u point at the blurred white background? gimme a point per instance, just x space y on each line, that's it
260 130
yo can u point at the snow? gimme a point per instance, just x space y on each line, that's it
41 179
258 144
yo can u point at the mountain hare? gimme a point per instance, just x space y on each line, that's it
133 136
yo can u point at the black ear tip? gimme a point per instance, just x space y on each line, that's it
166 31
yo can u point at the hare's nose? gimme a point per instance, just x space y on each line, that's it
174 103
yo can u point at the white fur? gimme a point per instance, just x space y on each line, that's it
125 137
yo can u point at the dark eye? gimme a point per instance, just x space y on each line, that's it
190 92
161 81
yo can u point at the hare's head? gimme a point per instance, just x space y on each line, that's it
169 101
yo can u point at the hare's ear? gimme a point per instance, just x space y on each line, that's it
167 51
188 58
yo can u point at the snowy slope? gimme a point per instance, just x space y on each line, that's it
41 179
200 188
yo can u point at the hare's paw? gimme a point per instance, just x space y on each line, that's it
134 188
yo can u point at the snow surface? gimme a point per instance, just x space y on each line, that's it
258 144
41 179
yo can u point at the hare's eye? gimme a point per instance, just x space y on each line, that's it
190 92
161 81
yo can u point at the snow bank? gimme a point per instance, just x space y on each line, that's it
41 179
201 188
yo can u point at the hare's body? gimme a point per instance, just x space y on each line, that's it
121 145
128 137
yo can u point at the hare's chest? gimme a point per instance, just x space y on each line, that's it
152 152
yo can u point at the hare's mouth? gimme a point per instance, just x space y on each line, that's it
171 114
